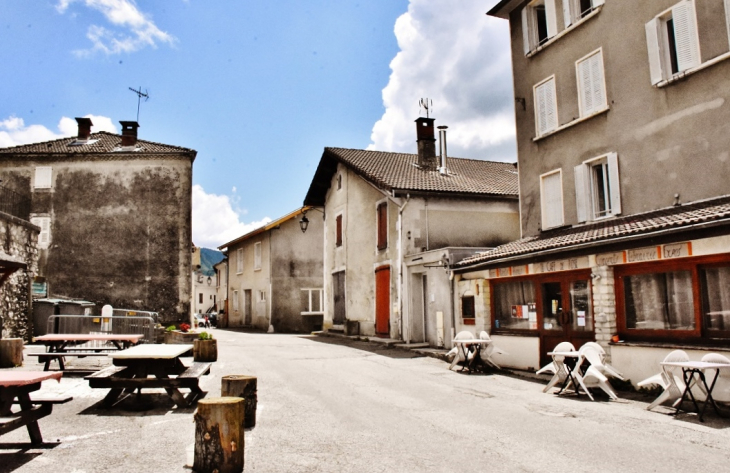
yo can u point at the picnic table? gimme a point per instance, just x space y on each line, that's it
15 388
60 345
151 366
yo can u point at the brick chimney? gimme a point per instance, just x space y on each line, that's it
129 133
84 128
427 158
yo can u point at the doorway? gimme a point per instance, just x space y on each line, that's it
247 307
338 291
382 301
417 315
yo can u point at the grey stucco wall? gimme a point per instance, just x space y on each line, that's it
669 140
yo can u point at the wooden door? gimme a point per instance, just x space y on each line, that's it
382 301
338 290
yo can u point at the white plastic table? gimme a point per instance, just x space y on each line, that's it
465 346
690 369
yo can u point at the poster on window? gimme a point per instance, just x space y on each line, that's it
581 318
520 311
532 312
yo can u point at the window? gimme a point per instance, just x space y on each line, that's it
312 301
539 24
339 181
575 10
257 256
546 108
514 305
591 84
672 42
235 301
468 313
43 177
44 237
715 286
382 217
239 261
551 198
262 296
338 231
597 190
200 298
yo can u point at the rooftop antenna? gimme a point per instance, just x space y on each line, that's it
426 104
140 94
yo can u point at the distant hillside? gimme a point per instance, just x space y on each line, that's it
208 258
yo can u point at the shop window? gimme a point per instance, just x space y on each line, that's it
673 42
468 313
659 301
715 286
514 305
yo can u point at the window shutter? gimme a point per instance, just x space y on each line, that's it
727 18
525 31
598 81
613 181
685 34
566 13
547 114
586 87
551 17
597 3
43 177
592 84
338 230
552 201
652 45
581 192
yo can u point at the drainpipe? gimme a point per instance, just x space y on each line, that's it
400 265
270 302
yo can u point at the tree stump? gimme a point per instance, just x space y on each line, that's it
245 387
219 436
11 352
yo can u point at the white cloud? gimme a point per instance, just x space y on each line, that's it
215 222
132 30
14 132
460 59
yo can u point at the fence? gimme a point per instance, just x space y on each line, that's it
121 325
15 204
139 313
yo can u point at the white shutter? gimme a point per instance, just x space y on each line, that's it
566 12
585 86
552 201
614 183
598 81
257 255
546 107
685 35
239 260
652 45
551 17
581 192
727 18
43 177
525 31
597 3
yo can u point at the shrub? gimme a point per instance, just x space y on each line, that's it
170 328
205 336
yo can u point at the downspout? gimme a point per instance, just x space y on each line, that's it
400 266
270 302
452 277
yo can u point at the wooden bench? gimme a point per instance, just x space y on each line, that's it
49 400
48 357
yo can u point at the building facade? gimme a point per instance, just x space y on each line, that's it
115 217
624 207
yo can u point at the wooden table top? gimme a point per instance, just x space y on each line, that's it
22 378
61 337
151 351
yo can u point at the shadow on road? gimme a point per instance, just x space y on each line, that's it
375 348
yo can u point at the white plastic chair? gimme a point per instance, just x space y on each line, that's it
672 384
457 351
713 358
488 350
557 367
600 361
593 377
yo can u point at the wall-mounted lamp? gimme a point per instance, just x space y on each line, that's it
521 100
304 222
209 281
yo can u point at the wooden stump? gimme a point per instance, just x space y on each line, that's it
244 387
219 436
205 350
11 352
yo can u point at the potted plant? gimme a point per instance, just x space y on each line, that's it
205 348
179 334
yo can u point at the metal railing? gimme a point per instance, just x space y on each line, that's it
120 325
136 313
15 204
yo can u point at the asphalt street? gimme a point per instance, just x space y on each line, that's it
336 405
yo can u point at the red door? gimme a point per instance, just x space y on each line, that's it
382 300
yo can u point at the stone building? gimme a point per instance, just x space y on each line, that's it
115 217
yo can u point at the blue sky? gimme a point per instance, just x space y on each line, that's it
258 88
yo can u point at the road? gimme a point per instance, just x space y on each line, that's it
330 405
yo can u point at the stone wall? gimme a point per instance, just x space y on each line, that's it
604 306
19 240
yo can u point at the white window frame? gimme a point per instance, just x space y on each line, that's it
312 293
257 256
239 261
586 189
591 80
235 300
44 237
572 13
43 178
545 96
262 296
686 42
546 225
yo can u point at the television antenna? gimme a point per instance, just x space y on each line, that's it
426 104
140 94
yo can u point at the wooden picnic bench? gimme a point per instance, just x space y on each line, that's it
61 345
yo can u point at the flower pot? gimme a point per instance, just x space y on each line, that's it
205 350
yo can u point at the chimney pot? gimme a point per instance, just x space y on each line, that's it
129 133
84 128
426 141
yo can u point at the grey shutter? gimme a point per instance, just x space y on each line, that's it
581 195
525 31
652 45
566 12
551 17
685 34
613 180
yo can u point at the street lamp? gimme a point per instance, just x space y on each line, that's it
304 222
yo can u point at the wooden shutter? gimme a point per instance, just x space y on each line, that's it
525 30
613 181
382 217
338 230
582 198
551 17
567 18
546 107
685 35
655 51
552 200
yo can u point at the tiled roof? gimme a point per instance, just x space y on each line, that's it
391 171
706 211
106 143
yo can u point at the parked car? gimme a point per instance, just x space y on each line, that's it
199 321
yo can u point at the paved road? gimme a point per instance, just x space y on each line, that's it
326 405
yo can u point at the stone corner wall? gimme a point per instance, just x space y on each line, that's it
604 306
